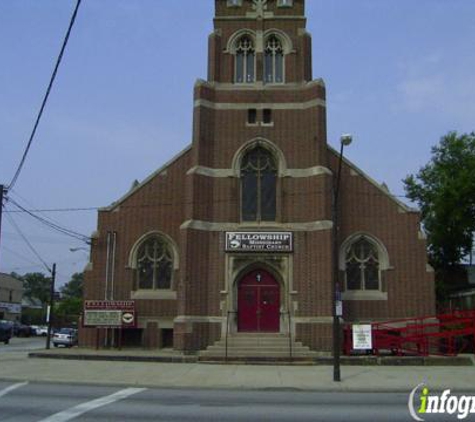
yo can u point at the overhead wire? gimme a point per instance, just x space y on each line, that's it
44 217
45 99
24 258
179 203
30 246
52 225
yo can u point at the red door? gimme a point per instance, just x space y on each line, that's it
258 303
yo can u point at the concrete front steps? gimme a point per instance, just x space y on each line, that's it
257 347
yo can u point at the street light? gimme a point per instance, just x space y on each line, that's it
345 140
81 248
87 251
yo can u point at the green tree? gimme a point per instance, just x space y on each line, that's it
74 287
444 190
67 311
37 285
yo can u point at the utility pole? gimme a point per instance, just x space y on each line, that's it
51 305
2 192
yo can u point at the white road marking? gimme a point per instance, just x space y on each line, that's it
5 391
78 410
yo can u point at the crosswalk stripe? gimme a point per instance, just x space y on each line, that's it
7 390
78 410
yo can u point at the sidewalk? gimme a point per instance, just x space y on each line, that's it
19 367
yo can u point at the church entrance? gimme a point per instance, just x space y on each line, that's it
258 303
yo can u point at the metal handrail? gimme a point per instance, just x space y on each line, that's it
226 338
290 332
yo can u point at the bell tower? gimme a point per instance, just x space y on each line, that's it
268 30
258 160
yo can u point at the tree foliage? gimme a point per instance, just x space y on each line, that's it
74 287
444 189
36 285
69 307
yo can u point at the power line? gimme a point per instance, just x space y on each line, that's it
180 203
45 99
83 237
50 224
57 210
30 246
19 255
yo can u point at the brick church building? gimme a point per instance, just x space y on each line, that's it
234 236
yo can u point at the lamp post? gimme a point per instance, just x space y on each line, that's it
345 140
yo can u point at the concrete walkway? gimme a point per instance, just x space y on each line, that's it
19 367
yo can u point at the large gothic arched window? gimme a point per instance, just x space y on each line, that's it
273 60
245 60
154 264
258 185
362 265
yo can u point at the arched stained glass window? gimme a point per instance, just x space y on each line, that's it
258 185
273 61
154 264
362 266
245 60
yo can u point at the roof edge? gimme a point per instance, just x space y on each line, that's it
354 167
161 169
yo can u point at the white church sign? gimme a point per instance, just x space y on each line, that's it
259 242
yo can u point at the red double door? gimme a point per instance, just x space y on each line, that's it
258 303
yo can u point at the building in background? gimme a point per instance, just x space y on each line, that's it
11 294
233 238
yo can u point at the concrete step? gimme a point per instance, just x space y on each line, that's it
260 346
258 353
239 344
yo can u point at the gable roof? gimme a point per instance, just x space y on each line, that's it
138 185
380 187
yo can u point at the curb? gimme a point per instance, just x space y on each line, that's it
320 361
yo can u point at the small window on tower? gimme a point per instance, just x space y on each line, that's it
252 116
234 3
267 116
284 3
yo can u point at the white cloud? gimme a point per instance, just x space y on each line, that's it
423 93
435 85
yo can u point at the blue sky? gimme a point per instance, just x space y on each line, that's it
399 74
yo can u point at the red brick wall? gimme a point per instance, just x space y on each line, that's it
173 197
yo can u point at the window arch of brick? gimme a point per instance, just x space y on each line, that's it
154 260
259 173
242 45
363 259
265 143
274 62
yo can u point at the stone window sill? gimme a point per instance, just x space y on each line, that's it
364 295
153 294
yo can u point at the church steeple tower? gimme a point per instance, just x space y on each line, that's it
259 42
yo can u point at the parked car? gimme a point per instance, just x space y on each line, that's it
67 337
6 330
21 330
40 330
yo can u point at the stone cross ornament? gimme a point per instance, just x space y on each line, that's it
259 6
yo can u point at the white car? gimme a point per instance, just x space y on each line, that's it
42 330
67 337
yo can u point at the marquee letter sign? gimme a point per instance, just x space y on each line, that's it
109 313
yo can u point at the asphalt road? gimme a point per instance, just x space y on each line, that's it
23 344
28 402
